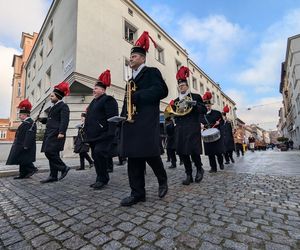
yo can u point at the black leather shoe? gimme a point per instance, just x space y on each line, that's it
92 185
221 166
199 175
19 177
188 180
232 160
92 165
78 169
64 173
49 179
162 190
212 171
30 174
227 162
99 185
131 200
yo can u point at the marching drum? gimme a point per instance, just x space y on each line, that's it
211 135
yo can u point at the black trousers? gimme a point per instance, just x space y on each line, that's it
100 162
83 156
238 148
212 161
55 162
188 164
136 173
172 154
25 169
228 155
110 163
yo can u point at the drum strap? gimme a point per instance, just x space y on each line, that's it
208 123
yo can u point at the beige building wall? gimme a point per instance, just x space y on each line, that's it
19 77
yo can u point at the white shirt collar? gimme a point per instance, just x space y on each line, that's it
208 112
57 102
182 96
138 70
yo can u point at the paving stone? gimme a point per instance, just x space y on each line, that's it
212 238
188 240
209 246
235 245
274 246
139 231
40 240
126 226
169 232
165 243
117 235
132 242
150 237
100 239
237 228
52 245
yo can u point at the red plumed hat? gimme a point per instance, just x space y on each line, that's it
141 45
25 106
182 74
207 97
226 109
104 80
62 89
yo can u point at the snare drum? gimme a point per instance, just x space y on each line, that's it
211 135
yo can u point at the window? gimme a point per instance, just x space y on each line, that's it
130 12
19 90
213 97
50 42
40 59
159 54
218 100
159 36
38 90
194 83
130 32
2 134
127 70
201 88
178 65
33 70
223 104
48 79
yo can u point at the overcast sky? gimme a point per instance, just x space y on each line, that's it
239 44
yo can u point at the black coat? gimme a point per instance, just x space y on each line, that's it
188 129
97 129
80 146
56 123
209 121
141 138
25 138
228 136
170 131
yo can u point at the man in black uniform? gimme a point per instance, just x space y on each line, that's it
55 134
140 139
23 150
228 137
99 132
188 129
170 132
213 119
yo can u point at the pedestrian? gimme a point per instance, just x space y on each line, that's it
100 133
140 139
23 150
188 108
81 147
55 134
214 148
228 137
170 133
238 137
251 141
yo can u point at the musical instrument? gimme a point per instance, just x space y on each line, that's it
131 108
211 135
182 107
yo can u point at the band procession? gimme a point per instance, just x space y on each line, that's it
191 124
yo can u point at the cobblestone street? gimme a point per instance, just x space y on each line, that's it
252 204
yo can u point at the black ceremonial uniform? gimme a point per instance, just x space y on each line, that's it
56 123
140 140
100 133
23 150
216 148
228 141
188 135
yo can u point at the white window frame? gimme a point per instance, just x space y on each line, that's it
130 32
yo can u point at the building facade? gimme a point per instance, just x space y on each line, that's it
290 90
19 77
5 133
78 41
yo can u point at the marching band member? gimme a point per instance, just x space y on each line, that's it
55 134
213 118
239 140
188 131
100 133
23 149
228 137
140 139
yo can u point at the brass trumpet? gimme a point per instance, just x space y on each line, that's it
131 108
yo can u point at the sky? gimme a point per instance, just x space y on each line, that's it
240 44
